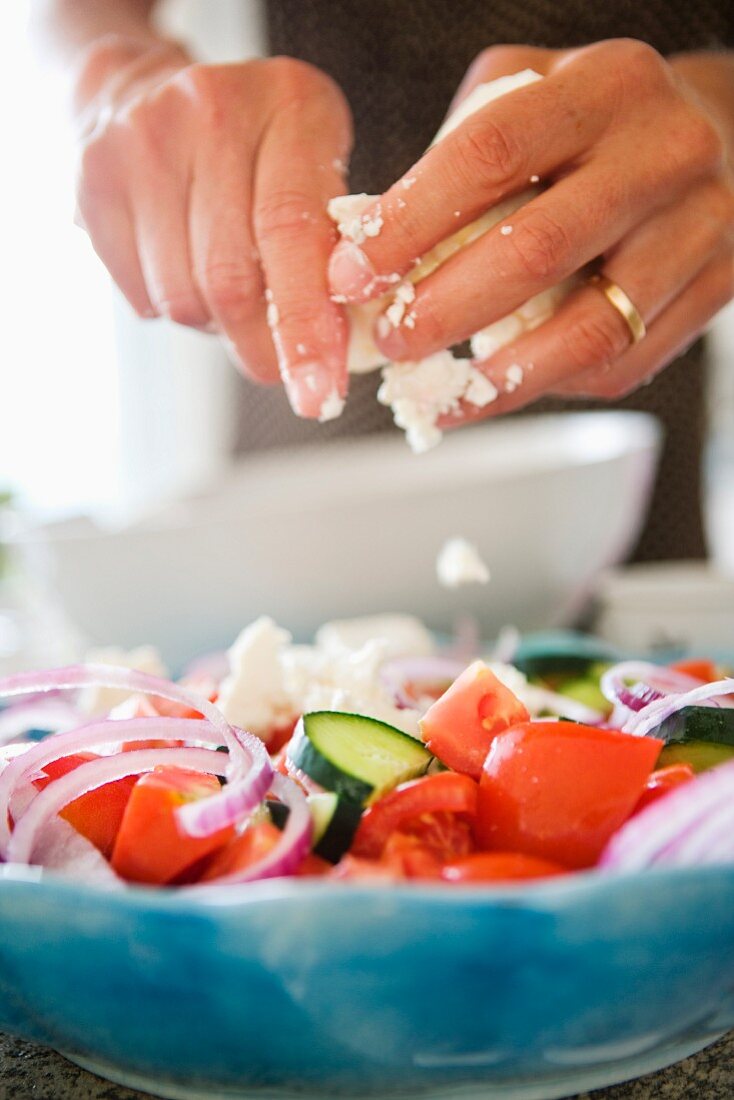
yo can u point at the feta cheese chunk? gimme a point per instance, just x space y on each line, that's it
459 563
254 695
401 635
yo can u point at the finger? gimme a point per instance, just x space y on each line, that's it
675 330
526 134
300 167
110 229
537 247
225 259
588 333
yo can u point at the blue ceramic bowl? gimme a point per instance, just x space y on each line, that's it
313 989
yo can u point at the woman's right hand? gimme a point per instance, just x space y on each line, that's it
204 191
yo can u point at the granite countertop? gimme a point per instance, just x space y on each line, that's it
29 1072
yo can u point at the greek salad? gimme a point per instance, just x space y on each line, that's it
367 755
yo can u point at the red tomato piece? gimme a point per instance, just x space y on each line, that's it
558 790
500 867
314 865
150 847
701 668
409 857
353 867
243 851
662 782
459 727
97 814
438 809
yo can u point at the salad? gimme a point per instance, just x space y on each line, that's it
368 755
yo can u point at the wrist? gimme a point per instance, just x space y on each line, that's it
115 63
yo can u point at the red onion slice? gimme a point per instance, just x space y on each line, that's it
77 676
43 714
651 682
103 732
292 848
87 777
690 826
655 713
245 790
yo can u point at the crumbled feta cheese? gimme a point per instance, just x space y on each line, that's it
513 377
301 349
272 315
535 179
254 695
506 230
418 393
332 407
402 635
371 226
459 563
408 182
101 700
480 391
410 321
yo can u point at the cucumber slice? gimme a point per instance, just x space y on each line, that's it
699 754
714 724
335 822
357 757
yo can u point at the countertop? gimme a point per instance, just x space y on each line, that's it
29 1072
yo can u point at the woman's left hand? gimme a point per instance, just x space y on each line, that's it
637 168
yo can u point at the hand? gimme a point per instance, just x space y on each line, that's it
204 191
636 172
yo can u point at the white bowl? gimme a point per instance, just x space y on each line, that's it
355 527
671 605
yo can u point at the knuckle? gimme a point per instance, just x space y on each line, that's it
701 140
233 289
280 212
541 246
639 58
596 340
486 154
297 80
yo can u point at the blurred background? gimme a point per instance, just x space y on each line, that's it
114 418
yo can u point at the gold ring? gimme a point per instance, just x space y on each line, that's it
623 305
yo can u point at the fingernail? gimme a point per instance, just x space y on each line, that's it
309 387
350 272
390 340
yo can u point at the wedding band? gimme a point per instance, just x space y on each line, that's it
623 305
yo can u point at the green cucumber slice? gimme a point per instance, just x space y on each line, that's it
335 822
699 754
359 758
714 724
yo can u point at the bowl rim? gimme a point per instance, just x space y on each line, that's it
549 894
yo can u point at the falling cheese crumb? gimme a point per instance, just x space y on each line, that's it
506 230
459 563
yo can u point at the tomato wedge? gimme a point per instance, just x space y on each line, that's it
149 846
97 814
559 790
242 851
662 782
437 810
459 727
701 668
500 867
